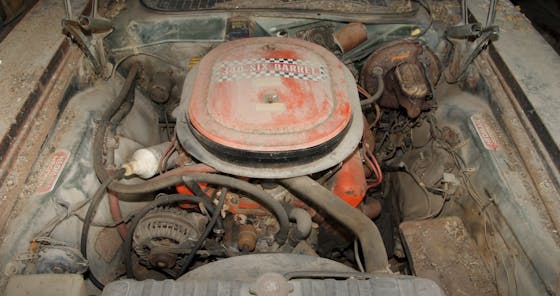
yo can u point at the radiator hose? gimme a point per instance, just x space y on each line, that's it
309 191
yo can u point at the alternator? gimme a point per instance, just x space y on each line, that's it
164 229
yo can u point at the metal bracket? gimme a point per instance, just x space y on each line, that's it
467 30
83 30
464 31
483 36
73 29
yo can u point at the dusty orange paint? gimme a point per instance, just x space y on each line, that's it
230 103
350 181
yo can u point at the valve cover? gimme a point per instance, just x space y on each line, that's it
270 103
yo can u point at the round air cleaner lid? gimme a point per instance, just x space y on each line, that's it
269 95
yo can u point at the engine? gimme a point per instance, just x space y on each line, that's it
270 108
284 120
274 150
246 151
260 110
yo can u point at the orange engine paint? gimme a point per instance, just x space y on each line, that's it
183 189
350 181
234 204
270 95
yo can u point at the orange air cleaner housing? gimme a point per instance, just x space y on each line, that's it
269 108
254 96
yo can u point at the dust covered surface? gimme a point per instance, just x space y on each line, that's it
442 250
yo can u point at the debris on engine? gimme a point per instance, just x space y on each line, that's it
270 108
411 72
266 151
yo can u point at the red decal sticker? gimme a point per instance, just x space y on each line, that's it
54 169
485 132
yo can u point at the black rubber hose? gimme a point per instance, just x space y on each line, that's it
255 193
365 230
378 72
163 201
195 188
303 224
126 92
205 200
187 261
92 210
119 107
112 116
133 192
260 196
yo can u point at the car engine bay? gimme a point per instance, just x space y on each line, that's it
254 153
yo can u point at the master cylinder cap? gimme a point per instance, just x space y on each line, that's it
270 108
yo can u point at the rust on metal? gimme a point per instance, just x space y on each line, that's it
28 137
33 88
409 69
350 36
247 240
531 151
411 81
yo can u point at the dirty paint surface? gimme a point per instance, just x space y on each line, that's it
442 250
270 94
532 69
32 84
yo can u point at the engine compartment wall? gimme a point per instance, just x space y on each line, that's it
500 176
77 181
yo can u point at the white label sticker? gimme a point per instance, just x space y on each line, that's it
483 127
269 67
52 172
